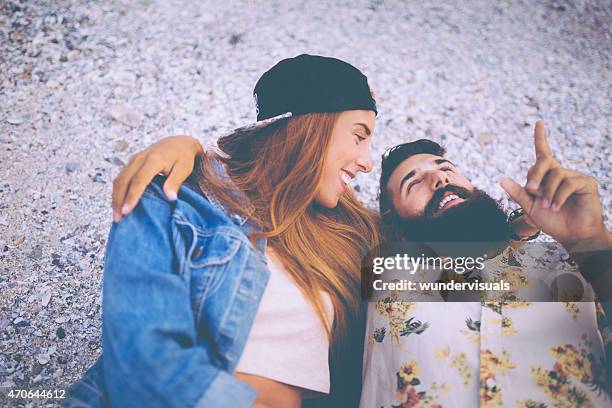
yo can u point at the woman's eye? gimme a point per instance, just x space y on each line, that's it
359 138
447 169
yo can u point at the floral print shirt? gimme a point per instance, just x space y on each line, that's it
488 353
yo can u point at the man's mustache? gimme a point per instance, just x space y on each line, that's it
478 219
434 202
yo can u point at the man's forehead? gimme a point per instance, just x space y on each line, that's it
413 163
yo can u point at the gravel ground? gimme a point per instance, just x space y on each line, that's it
84 85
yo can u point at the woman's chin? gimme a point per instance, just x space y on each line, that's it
328 201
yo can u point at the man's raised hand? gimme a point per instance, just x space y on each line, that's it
561 202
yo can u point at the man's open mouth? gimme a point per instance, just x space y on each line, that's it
445 198
448 200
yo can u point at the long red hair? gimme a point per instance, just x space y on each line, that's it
279 170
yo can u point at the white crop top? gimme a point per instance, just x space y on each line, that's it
287 342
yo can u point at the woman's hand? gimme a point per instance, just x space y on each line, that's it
172 156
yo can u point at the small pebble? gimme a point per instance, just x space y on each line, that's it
16 119
121 145
72 167
60 333
43 358
126 116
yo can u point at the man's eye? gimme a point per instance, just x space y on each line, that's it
414 183
447 169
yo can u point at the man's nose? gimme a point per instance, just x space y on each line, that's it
439 179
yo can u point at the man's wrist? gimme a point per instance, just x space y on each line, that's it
601 240
594 258
521 229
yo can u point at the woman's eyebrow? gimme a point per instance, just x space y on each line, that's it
365 127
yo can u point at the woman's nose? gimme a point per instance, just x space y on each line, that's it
364 161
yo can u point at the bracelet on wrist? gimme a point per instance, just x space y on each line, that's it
513 216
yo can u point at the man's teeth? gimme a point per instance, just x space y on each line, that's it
446 199
345 176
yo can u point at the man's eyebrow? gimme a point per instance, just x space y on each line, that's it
365 127
406 178
440 161
413 172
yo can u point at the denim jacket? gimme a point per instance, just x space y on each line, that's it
182 284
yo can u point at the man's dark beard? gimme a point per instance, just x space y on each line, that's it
478 219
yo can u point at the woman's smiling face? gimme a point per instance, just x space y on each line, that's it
348 154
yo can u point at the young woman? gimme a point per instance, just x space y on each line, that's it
231 290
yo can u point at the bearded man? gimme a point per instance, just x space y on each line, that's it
488 353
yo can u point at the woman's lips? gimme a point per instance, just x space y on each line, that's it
345 178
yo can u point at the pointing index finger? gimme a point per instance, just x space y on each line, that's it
542 148
518 194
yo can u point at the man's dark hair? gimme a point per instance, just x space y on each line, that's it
392 158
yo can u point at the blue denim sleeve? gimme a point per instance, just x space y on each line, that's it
151 357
